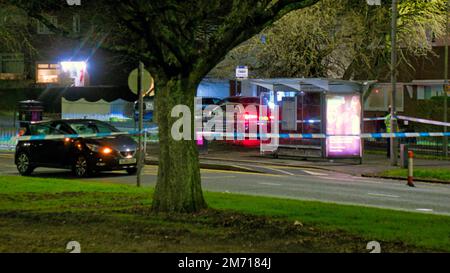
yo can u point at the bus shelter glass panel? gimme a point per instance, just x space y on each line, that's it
343 126
300 113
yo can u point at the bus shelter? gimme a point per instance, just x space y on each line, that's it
319 118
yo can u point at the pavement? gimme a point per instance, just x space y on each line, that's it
250 160
289 182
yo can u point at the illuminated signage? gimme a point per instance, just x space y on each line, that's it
343 126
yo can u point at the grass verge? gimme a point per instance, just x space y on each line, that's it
422 173
42 215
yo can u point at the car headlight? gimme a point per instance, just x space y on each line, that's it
99 149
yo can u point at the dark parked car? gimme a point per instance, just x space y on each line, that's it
206 101
84 155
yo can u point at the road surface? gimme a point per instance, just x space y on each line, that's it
293 183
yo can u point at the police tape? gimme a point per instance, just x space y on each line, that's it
425 121
419 120
75 136
220 135
374 119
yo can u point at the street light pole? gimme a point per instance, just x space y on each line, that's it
140 154
445 139
393 120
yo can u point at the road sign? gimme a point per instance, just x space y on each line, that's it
242 72
140 82
374 2
263 39
147 81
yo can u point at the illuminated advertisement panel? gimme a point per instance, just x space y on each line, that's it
343 122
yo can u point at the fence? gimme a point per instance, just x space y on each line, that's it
7 138
431 146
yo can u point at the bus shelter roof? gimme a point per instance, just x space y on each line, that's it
310 85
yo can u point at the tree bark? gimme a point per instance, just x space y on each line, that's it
178 188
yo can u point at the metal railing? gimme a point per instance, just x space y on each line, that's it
430 146
7 138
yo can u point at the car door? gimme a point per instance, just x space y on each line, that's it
38 149
49 150
60 146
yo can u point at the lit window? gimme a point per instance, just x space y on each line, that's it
47 73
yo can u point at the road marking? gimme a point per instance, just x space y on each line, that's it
314 173
218 177
425 210
238 172
277 170
383 195
269 184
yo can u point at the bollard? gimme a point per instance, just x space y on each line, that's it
411 169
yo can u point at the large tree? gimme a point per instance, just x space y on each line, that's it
180 42
339 38
14 29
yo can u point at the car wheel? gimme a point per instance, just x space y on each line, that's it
80 167
132 171
23 164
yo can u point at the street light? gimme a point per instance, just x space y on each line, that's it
445 140
393 121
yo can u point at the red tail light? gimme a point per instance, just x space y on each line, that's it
267 118
250 116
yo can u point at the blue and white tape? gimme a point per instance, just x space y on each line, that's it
425 121
98 135
374 119
220 135
419 120
216 135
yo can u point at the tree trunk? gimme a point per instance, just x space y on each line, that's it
178 188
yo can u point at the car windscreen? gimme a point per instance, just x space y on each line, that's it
42 129
83 128
210 101
39 129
